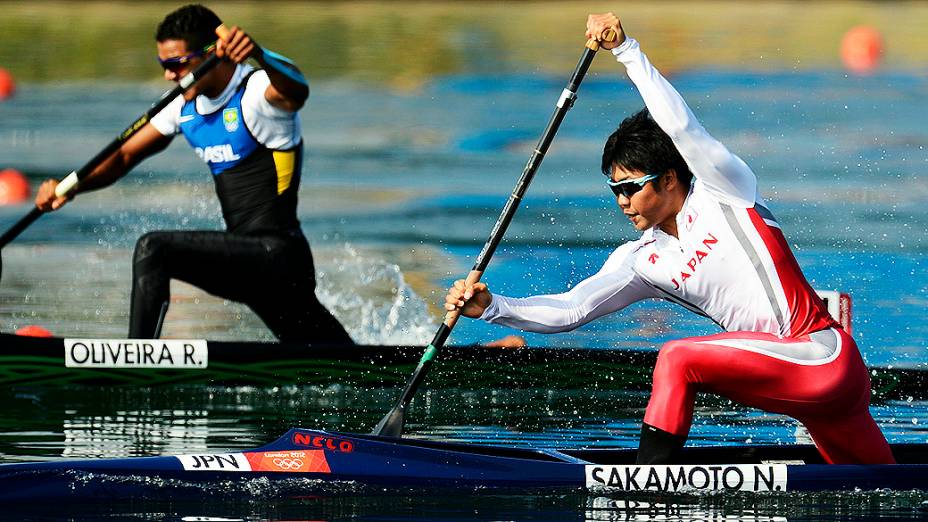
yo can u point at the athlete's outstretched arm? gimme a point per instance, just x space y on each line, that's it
146 142
710 161
614 287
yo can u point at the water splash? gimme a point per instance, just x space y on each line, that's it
372 299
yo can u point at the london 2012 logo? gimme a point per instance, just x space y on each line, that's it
230 119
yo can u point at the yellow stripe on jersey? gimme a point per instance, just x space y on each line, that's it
284 160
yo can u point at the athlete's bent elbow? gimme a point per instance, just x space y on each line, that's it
299 96
292 103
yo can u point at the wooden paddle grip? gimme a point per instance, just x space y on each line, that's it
608 36
452 317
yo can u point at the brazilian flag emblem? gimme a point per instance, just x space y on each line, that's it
230 119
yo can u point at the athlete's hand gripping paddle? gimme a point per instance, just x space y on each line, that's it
392 424
70 182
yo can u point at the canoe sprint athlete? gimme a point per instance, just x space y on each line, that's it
243 123
710 244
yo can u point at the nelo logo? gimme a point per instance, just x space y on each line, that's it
319 441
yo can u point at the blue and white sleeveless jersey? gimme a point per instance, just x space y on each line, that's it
253 149
220 138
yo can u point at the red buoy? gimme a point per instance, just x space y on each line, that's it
14 188
862 49
7 84
33 330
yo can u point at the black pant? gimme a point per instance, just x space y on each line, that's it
273 274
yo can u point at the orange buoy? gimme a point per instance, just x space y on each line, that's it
14 188
862 49
7 85
33 330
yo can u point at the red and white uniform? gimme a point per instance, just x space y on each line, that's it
732 264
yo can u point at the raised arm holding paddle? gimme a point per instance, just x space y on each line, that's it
243 123
710 244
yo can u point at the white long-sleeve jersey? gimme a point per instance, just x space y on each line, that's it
730 263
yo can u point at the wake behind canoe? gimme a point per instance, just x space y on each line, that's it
305 462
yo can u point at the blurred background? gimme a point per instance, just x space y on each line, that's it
420 120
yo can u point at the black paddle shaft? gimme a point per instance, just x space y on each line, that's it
185 83
392 424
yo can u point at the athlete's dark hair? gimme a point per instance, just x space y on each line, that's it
640 144
193 24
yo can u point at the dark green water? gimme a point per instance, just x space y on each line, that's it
97 423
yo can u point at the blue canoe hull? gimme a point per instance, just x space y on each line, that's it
309 462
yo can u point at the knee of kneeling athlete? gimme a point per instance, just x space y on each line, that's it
148 246
672 351
672 357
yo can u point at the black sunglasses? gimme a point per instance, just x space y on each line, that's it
630 187
176 63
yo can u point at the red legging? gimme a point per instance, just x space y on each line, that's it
824 385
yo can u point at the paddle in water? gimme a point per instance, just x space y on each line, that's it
71 180
392 423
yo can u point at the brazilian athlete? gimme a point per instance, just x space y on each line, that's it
243 123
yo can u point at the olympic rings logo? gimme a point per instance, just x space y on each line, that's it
289 464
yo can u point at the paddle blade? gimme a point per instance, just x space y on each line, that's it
392 423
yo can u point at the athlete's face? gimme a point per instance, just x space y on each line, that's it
649 207
177 61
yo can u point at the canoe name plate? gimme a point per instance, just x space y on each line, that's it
731 477
286 461
135 353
